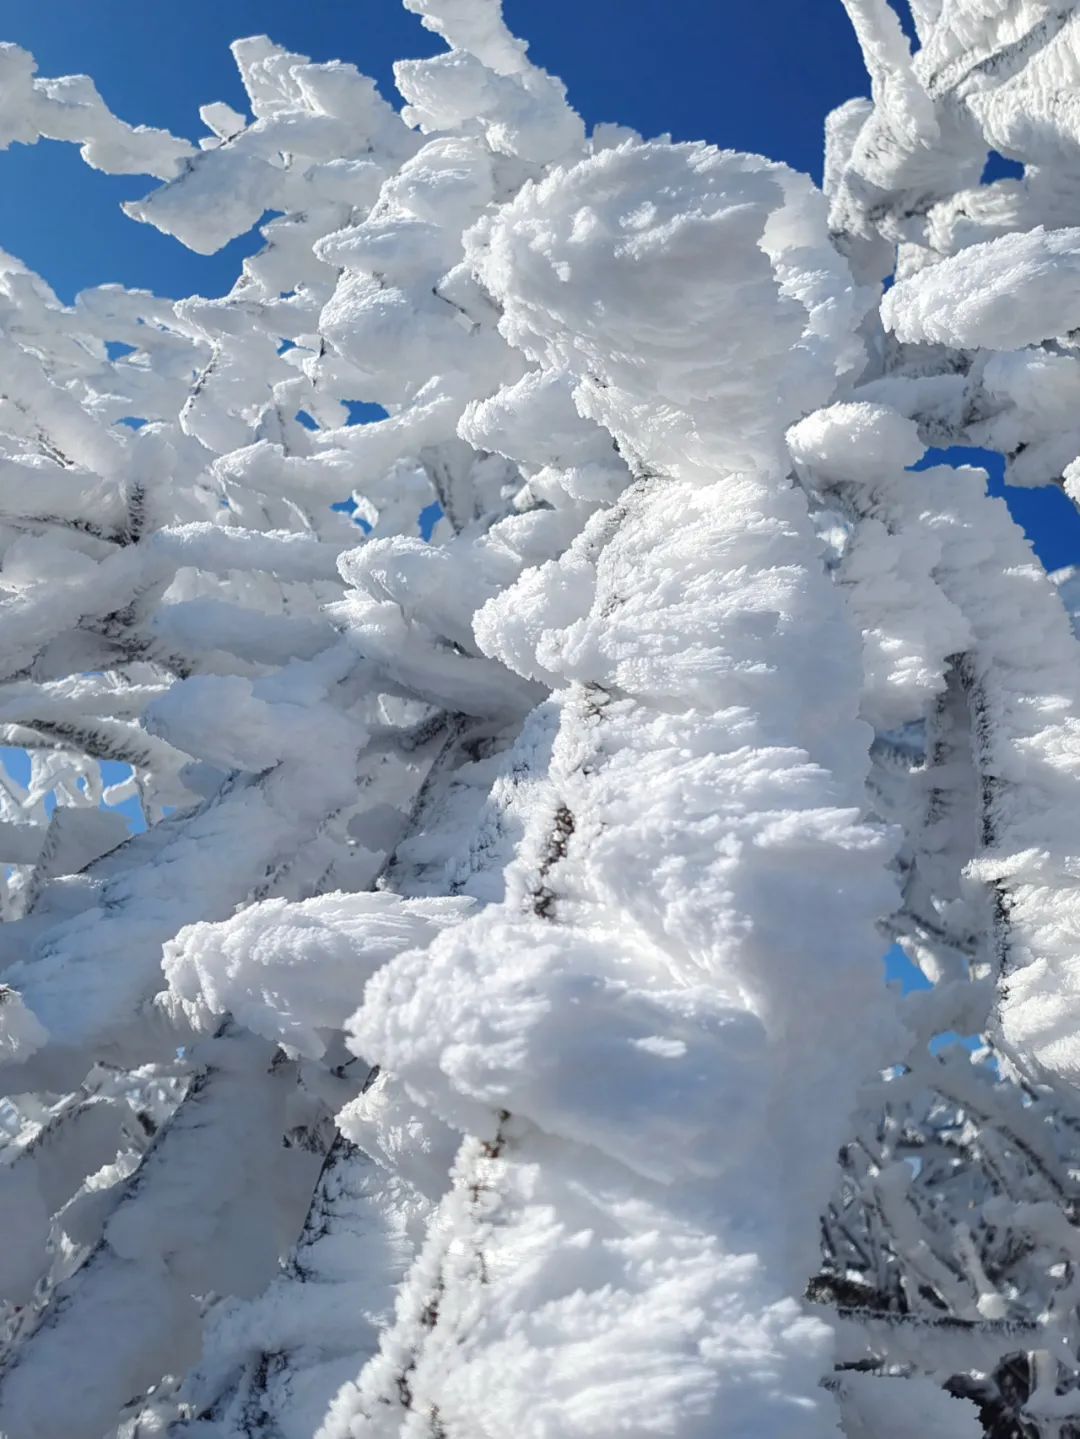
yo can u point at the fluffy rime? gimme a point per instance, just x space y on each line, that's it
466 1043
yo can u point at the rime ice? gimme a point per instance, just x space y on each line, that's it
467 1043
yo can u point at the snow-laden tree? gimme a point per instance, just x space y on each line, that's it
466 1045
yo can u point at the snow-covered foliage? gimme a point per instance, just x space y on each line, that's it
465 1044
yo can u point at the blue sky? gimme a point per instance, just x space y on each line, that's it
746 76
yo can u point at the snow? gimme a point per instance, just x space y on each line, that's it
1004 293
178 1231
880 1407
260 966
699 250
320 1313
21 1033
486 1032
634 916
71 109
